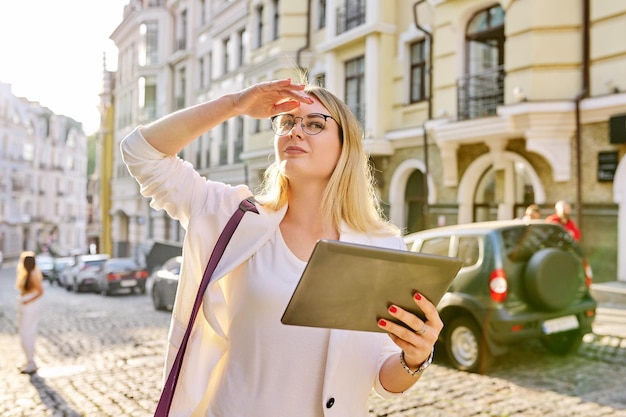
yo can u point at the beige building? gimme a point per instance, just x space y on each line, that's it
43 175
471 109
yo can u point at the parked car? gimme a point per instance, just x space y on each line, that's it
121 274
164 283
82 275
45 263
520 280
59 265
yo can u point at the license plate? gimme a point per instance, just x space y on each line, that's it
128 283
560 325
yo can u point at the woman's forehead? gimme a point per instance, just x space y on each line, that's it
315 107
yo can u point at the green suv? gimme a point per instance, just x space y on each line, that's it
520 280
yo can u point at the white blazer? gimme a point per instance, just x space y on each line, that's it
203 207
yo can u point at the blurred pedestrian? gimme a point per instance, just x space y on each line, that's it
240 359
562 216
532 212
29 283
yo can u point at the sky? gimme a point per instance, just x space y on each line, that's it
51 52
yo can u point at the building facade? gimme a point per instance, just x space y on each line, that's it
43 174
471 109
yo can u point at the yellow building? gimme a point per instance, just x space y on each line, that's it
471 109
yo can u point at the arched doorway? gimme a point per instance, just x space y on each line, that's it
487 193
407 191
416 198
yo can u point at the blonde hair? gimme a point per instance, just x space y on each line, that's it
25 268
350 195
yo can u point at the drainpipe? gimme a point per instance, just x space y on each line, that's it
583 94
308 36
429 65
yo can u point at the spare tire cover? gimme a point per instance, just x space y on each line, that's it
551 278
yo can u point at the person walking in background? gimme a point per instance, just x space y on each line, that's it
532 212
240 360
561 215
29 283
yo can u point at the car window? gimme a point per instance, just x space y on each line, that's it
97 263
522 242
123 263
468 250
436 246
172 266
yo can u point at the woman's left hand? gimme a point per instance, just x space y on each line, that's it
418 339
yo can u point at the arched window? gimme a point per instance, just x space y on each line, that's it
481 89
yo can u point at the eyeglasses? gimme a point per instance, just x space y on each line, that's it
312 124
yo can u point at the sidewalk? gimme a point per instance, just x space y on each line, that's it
608 340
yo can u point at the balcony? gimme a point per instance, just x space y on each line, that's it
350 15
479 94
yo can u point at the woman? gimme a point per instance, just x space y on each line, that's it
240 360
29 282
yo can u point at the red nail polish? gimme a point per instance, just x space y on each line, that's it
418 296
382 322
393 309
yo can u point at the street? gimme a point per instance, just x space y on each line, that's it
103 356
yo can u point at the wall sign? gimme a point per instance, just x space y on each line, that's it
607 165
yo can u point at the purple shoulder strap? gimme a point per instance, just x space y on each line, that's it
163 407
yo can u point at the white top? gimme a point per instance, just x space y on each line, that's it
258 367
203 207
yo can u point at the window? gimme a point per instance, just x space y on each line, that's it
226 46
238 148
147 98
350 15
201 72
182 30
321 19
207 140
224 145
436 246
355 87
275 20
418 71
148 44
241 54
181 88
259 26
202 12
481 89
209 64
468 250
320 79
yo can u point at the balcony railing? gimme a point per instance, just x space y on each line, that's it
350 15
479 94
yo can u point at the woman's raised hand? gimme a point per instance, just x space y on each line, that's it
270 98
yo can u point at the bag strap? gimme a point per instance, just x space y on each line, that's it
165 401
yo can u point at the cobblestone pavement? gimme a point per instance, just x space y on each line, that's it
102 356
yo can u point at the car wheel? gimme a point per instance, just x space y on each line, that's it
465 346
552 279
157 301
563 343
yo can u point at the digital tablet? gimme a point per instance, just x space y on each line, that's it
350 286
